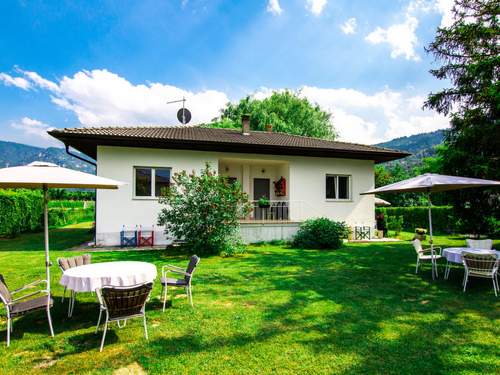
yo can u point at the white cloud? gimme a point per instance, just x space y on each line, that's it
99 97
315 6
349 26
445 7
273 6
400 37
35 130
371 118
15 81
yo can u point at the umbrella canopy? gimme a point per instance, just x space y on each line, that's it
432 183
381 202
39 174
42 175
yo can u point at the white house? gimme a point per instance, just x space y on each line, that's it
302 177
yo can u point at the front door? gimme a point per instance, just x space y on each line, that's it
261 188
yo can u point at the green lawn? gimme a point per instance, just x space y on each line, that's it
360 309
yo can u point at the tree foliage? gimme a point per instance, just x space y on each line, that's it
286 111
469 55
204 210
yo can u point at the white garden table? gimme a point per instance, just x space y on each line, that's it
89 277
454 255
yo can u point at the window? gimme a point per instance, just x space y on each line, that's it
338 187
149 182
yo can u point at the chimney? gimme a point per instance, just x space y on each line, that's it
245 124
269 128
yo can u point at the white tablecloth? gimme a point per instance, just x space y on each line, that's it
89 277
454 254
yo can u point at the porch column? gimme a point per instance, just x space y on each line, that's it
245 176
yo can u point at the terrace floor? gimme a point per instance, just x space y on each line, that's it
360 309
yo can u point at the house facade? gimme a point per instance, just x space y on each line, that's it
299 177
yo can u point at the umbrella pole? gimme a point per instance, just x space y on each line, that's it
46 234
430 217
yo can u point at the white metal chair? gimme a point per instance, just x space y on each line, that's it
431 254
122 303
480 244
25 303
481 265
183 283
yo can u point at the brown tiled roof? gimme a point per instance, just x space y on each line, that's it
86 140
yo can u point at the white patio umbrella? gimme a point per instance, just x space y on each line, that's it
432 183
42 175
381 202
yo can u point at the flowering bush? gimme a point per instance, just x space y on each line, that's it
204 210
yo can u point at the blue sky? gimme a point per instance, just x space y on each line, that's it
118 62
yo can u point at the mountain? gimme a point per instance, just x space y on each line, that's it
13 154
419 145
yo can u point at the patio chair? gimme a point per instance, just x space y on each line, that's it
431 254
183 283
481 265
24 304
480 244
122 303
67 263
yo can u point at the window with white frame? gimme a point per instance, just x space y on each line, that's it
338 187
149 182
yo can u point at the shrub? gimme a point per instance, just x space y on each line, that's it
443 218
20 211
395 223
59 217
321 233
204 210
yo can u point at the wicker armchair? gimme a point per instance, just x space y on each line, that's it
431 254
480 244
481 265
122 303
24 304
67 263
182 283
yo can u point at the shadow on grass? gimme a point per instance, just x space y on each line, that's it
377 310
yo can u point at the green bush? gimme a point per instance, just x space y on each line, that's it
321 233
204 210
395 223
59 217
20 211
443 219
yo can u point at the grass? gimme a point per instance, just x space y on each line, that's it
360 309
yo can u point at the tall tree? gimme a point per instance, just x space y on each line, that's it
286 111
469 55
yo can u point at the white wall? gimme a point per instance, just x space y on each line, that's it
305 186
118 207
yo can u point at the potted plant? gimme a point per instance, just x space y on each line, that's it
264 202
420 234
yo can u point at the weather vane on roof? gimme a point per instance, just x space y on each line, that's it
183 114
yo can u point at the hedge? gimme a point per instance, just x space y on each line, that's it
443 218
70 204
59 217
22 211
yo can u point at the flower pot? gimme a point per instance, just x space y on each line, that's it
420 237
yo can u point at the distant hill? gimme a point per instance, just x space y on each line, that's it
419 145
13 154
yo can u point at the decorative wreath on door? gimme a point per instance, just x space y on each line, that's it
280 187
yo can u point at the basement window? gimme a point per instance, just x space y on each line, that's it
338 187
149 182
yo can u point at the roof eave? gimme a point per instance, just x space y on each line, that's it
87 144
